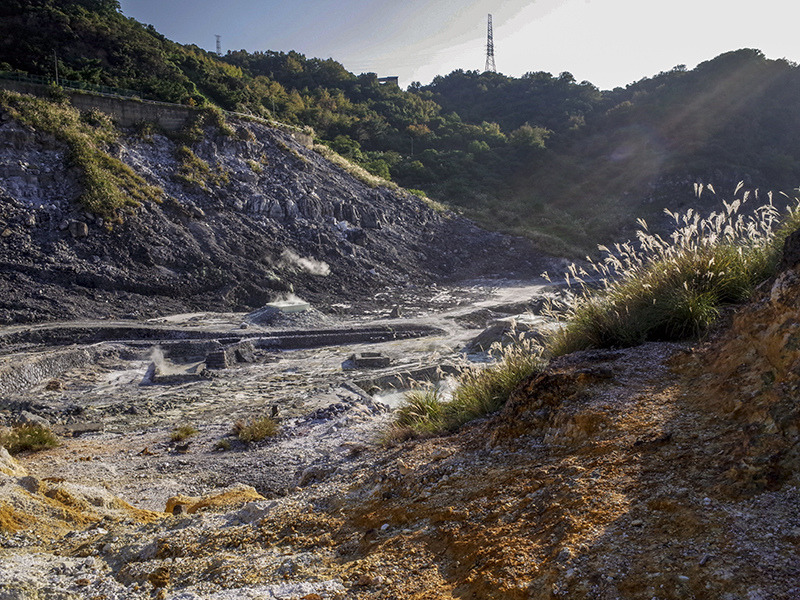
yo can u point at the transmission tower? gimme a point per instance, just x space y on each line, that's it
219 44
490 49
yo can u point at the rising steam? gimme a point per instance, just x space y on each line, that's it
309 265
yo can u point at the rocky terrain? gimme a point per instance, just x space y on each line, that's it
269 217
664 471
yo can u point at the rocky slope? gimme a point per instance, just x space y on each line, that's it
269 217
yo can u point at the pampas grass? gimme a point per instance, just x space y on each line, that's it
671 289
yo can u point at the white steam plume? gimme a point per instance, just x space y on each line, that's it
309 265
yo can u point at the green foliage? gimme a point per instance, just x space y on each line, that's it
256 430
529 137
379 168
110 187
480 391
422 412
183 432
29 437
222 445
195 131
194 171
490 145
146 130
670 290
346 147
353 169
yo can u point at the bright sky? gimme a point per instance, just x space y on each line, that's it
608 42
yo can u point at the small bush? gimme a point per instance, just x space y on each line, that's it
256 430
222 445
97 118
29 437
145 130
214 116
181 433
353 169
194 171
656 289
483 391
479 392
422 412
245 135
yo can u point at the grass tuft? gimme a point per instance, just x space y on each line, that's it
194 171
222 445
29 437
480 391
659 290
353 169
181 433
255 431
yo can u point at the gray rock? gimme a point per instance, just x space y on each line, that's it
78 229
28 418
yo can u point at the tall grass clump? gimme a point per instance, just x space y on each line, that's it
29 437
194 171
110 187
183 432
256 430
480 391
657 289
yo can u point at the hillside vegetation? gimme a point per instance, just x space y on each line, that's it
541 155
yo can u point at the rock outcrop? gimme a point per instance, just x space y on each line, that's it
265 216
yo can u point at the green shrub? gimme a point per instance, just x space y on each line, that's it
194 171
256 430
422 412
483 391
181 433
145 130
222 445
480 391
31 437
213 115
656 289
353 169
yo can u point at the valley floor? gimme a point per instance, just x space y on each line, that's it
611 475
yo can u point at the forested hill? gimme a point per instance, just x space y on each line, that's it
543 155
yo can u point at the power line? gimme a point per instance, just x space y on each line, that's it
490 49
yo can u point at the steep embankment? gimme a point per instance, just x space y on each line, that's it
247 214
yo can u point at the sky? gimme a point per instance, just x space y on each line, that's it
610 43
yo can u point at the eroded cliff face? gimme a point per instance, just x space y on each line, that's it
268 216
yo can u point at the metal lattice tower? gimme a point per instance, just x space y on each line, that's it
219 44
490 49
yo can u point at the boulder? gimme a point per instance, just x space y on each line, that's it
78 229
